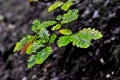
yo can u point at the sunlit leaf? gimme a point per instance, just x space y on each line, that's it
94 34
71 15
55 5
65 31
66 5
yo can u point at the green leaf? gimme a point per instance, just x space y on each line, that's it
94 34
31 61
22 42
56 27
71 15
43 55
55 5
80 41
18 46
64 41
44 35
52 38
59 17
29 49
35 46
29 37
65 31
66 5
46 24
83 37
35 24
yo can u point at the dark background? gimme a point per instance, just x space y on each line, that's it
98 62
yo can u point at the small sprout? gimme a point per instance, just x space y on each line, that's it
39 46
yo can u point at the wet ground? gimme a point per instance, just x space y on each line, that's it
99 62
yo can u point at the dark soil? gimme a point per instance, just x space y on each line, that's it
98 62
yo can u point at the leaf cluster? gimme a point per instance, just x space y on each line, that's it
63 5
40 44
80 39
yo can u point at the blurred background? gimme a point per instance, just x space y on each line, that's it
98 62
